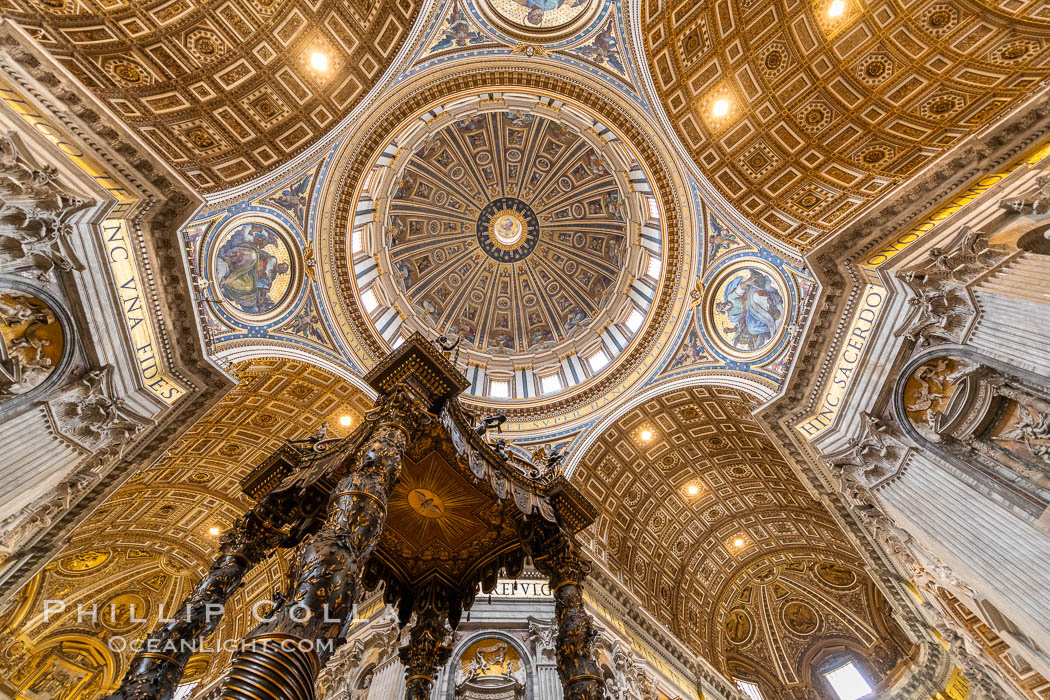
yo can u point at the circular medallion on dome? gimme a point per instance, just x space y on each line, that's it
84 561
800 618
124 611
544 19
254 269
508 230
746 309
836 575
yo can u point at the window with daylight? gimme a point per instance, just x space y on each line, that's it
368 298
550 384
654 208
750 689
634 321
356 242
653 268
848 683
499 389
368 180
597 361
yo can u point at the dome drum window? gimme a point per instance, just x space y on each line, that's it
750 689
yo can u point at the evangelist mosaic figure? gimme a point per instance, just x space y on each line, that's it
249 265
754 306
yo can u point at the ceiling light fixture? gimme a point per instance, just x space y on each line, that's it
646 435
738 542
721 107
345 421
319 61
213 531
693 489
837 8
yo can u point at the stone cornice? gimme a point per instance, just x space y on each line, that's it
833 263
156 229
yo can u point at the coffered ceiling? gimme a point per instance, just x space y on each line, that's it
151 541
709 526
560 183
223 91
827 113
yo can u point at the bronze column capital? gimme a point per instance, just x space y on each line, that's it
428 649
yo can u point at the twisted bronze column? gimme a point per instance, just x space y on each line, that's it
155 671
427 649
286 653
555 554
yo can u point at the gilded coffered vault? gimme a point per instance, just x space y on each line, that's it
151 540
223 91
829 113
422 287
704 520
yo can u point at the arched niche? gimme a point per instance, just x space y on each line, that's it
490 665
37 343
607 666
1036 241
835 652
622 669
742 668
62 667
983 416
890 633
363 681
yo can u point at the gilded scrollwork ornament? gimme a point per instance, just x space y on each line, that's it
543 635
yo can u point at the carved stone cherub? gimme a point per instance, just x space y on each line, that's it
1035 202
